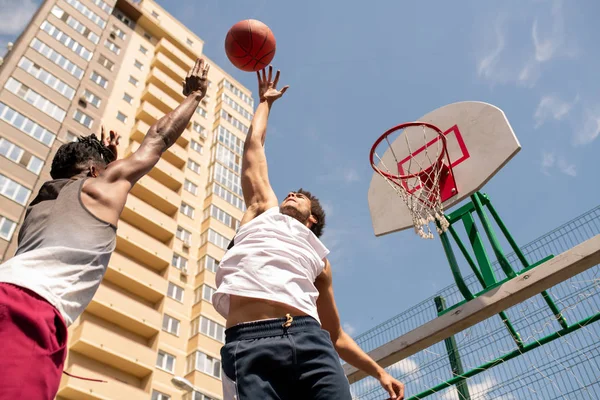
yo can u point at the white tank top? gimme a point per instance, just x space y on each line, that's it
274 258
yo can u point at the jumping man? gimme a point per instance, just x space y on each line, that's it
283 333
65 243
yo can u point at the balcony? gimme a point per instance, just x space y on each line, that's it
95 339
148 219
152 192
201 341
169 67
205 381
79 389
115 306
142 248
160 99
169 85
213 250
164 172
179 57
175 154
136 278
207 309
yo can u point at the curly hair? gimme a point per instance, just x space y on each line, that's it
73 158
317 211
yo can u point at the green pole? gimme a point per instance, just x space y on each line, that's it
462 286
547 298
454 357
491 236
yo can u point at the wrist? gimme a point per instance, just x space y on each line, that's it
197 95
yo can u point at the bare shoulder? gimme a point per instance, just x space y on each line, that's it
105 200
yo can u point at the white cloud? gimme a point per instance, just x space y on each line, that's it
590 128
404 367
349 329
552 107
346 175
15 15
550 161
487 65
351 176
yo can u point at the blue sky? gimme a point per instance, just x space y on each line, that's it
355 69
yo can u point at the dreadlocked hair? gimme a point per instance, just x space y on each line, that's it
317 211
75 157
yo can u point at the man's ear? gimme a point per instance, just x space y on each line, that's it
312 219
94 171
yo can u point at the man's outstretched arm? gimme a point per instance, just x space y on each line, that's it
258 194
111 188
345 346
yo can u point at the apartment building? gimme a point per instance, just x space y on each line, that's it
83 63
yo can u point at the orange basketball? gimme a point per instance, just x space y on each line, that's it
250 45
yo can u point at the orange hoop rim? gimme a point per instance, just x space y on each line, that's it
400 127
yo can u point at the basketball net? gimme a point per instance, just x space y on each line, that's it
418 177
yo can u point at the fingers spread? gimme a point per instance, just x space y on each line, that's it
276 81
284 89
270 73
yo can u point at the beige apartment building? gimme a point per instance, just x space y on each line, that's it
83 63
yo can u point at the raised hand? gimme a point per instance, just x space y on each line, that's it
111 142
197 79
267 87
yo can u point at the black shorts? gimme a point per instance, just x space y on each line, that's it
264 361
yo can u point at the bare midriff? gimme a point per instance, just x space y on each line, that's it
248 309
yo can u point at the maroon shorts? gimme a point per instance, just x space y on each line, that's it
33 338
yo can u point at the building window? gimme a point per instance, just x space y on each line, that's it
119 32
227 196
35 165
103 6
215 238
179 262
35 99
71 137
209 328
231 87
138 65
92 98
13 190
201 111
165 361
92 16
11 150
83 119
56 58
189 42
143 50
127 98
66 40
156 395
190 187
228 158
121 117
227 178
154 14
194 395
99 79
194 166
233 121
221 216
204 363
199 128
47 78
148 36
209 263
26 125
133 81
237 107
175 292
75 24
196 146
204 292
112 46
106 63
121 17
7 228
183 235
170 325
186 209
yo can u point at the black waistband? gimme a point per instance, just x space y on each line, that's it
269 328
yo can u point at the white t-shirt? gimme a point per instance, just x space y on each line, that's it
275 258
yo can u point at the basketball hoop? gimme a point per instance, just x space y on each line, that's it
423 177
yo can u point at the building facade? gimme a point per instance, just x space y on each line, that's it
81 64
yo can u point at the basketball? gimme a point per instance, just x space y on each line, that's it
250 45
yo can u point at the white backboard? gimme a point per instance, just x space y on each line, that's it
480 141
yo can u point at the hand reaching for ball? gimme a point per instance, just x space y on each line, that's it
196 80
267 86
